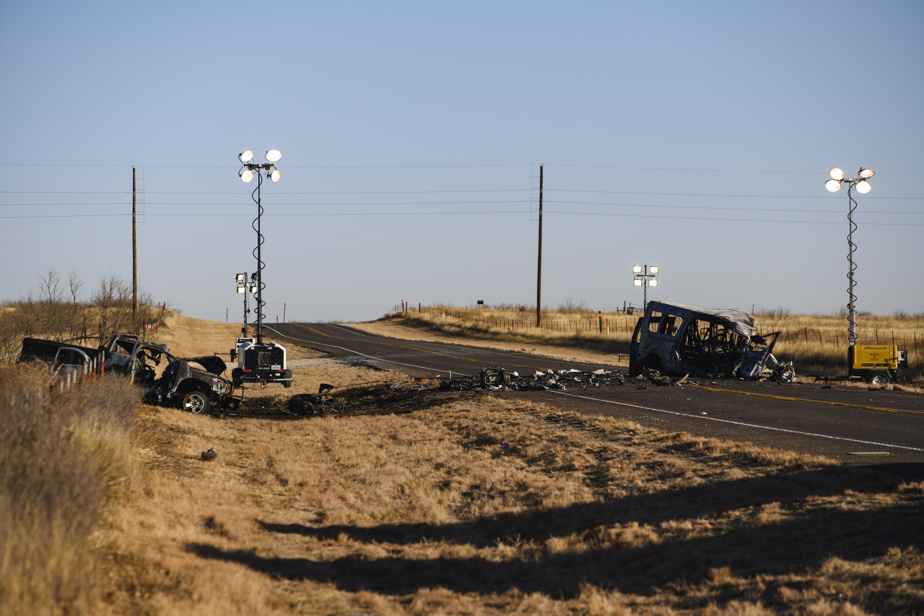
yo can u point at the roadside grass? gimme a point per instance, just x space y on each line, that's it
491 506
63 463
469 504
816 344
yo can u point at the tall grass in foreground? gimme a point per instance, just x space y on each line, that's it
60 461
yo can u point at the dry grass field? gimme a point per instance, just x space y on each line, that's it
454 503
817 344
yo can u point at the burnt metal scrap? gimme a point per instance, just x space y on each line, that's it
676 340
315 404
494 378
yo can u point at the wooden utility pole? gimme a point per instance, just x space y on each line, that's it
539 276
134 254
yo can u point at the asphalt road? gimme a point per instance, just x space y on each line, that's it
855 425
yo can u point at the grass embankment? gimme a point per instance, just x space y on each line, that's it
815 344
65 465
484 505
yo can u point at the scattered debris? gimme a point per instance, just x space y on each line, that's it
315 404
494 378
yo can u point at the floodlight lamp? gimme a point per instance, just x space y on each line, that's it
273 156
253 289
652 282
833 185
240 290
246 156
866 173
636 269
275 175
246 175
837 174
653 269
863 187
637 282
240 277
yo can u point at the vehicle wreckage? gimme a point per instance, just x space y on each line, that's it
679 340
194 384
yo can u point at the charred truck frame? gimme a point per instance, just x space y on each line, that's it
683 340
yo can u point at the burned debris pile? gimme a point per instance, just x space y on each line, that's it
494 378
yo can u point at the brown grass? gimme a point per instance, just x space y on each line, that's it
486 505
61 462
492 506
817 344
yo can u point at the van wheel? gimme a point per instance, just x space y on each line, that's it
878 378
195 402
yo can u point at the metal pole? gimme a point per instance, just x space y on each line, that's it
851 247
539 275
134 254
259 262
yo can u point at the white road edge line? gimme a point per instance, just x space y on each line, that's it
334 346
636 406
737 423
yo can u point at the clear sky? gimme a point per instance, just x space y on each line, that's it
695 136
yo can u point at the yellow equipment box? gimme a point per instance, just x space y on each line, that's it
877 363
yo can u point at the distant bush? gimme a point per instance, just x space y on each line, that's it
56 312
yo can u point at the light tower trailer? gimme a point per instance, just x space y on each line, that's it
259 363
878 364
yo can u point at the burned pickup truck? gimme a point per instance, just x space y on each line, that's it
680 340
195 384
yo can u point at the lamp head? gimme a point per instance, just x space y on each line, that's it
246 175
636 269
833 185
863 187
653 282
837 174
866 173
246 156
273 156
654 269
275 175
637 282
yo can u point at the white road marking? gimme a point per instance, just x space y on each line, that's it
354 352
739 423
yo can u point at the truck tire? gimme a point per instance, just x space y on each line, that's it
195 402
878 378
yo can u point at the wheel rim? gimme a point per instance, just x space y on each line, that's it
195 403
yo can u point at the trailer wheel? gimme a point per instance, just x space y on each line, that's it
195 402
878 378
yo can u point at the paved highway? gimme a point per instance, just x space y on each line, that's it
854 425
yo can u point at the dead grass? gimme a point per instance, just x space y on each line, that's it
817 344
481 504
492 506
62 460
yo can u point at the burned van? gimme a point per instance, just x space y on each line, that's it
677 340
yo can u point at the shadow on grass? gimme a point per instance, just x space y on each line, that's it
773 547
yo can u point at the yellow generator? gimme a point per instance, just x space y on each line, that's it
878 364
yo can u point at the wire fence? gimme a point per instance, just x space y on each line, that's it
624 324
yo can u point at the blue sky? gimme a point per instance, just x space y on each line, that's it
694 136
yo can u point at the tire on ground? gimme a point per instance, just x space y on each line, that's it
195 402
